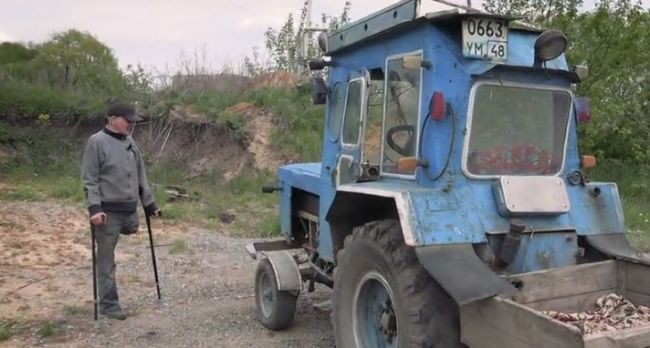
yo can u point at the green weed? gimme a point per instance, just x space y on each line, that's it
178 246
269 226
72 310
47 329
6 329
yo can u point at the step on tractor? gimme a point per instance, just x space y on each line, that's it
451 207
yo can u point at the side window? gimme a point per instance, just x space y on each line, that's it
337 105
351 122
372 141
401 111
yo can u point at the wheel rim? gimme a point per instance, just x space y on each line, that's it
373 315
265 295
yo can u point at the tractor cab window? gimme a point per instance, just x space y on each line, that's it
337 105
372 139
401 111
517 130
352 120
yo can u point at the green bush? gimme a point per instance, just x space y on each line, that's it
28 101
6 329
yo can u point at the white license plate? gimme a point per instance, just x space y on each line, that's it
485 39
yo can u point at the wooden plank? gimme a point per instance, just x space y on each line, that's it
497 322
574 303
638 278
638 298
566 281
628 338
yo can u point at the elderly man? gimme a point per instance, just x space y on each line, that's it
113 176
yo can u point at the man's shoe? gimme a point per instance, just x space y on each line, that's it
115 314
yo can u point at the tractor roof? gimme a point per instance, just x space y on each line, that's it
407 13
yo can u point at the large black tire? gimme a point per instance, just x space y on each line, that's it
412 311
275 309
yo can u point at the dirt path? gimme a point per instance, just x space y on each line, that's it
207 287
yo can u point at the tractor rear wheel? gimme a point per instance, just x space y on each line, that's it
383 297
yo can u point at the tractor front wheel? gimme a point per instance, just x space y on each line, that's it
384 298
275 308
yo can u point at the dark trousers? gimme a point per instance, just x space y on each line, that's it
107 236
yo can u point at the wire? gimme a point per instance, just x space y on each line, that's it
451 143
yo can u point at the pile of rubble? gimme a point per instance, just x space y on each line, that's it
611 313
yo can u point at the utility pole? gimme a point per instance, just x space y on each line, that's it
305 38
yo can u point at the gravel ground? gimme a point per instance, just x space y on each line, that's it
207 300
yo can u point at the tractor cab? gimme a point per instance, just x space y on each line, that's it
397 99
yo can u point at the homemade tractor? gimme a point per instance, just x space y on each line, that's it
450 207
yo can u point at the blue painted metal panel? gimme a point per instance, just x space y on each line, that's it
304 176
600 214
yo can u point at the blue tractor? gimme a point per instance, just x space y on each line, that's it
450 207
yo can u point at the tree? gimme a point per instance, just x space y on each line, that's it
284 45
77 59
12 52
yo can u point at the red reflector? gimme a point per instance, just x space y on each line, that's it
582 109
437 106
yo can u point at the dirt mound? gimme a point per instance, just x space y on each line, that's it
188 139
260 128
199 146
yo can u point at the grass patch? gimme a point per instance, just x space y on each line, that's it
269 225
47 329
19 193
6 329
72 310
178 246
212 196
46 164
633 181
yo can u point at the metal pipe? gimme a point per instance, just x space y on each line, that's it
511 243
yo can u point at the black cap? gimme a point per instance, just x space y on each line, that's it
123 110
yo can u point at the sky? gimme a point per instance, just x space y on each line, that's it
163 34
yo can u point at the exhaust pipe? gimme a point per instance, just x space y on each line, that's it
510 244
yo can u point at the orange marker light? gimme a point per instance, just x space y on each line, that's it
587 161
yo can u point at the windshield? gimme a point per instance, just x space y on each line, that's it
517 130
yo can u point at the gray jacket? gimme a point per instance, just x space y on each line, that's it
113 175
